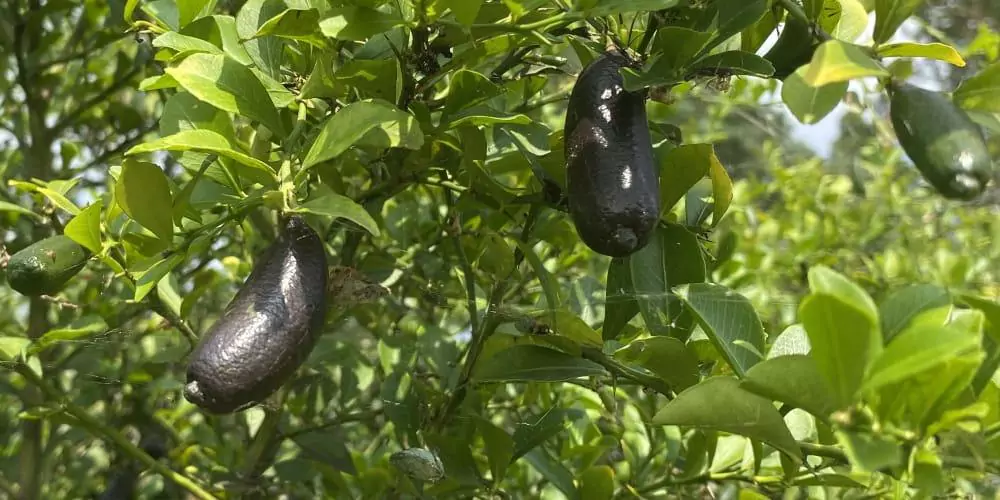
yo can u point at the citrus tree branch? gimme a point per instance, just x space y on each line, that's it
625 371
491 320
99 98
95 426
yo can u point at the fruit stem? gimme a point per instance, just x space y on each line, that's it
256 457
91 424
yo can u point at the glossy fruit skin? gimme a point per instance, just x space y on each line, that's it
44 267
794 47
611 171
945 145
269 328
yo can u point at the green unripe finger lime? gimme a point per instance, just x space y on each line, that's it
44 267
945 145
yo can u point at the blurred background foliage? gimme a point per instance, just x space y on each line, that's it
862 211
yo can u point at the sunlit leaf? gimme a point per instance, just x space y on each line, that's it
719 404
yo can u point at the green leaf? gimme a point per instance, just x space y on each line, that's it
792 379
229 86
358 23
836 61
530 435
918 349
889 15
903 304
189 10
698 204
85 227
989 308
467 89
719 404
680 169
221 31
465 11
157 82
808 103
938 51
673 257
870 452
499 447
148 279
981 91
210 142
326 447
353 122
722 189
183 43
527 362
10 207
927 473
597 483
59 199
266 52
13 348
620 305
734 17
843 327
553 298
569 325
666 357
848 23
143 194
733 63
455 455
484 115
183 111
793 340
729 320
674 47
326 203
294 24
371 78
280 96
615 7
553 471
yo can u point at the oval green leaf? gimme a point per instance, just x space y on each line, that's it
527 362
720 404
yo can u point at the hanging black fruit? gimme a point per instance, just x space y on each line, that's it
44 267
611 171
268 329
945 145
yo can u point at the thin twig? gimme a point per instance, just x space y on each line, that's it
491 320
628 372
338 421
463 261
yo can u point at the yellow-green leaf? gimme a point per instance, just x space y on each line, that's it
939 51
85 227
836 61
